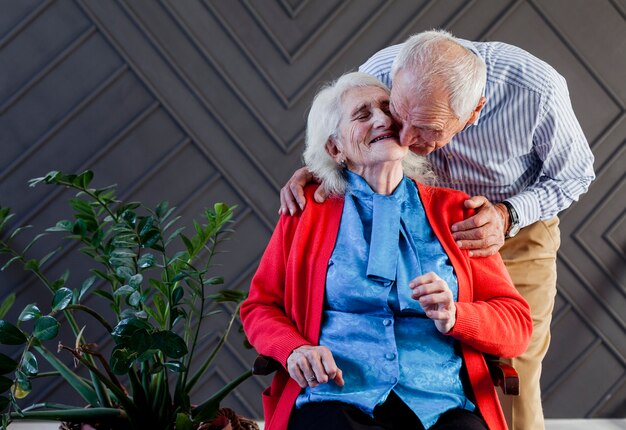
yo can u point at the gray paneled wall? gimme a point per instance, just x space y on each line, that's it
197 101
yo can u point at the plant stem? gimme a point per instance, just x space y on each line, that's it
93 313
78 414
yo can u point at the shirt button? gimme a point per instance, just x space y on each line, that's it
394 380
386 322
390 356
450 156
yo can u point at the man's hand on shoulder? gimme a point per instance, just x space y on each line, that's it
292 196
483 233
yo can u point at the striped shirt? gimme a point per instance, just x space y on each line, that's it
527 146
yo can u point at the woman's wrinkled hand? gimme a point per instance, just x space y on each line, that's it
313 365
436 299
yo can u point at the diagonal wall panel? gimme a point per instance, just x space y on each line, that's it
204 100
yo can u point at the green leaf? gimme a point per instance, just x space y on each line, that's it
134 299
11 261
161 208
19 230
29 364
124 272
5 384
170 343
215 280
85 178
46 328
7 364
175 366
30 312
124 290
48 256
177 294
183 422
63 225
79 385
121 360
187 243
87 284
32 264
6 305
32 242
11 335
105 294
23 381
135 280
145 261
80 228
124 330
62 298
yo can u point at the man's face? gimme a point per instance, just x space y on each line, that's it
427 120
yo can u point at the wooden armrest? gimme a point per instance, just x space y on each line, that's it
264 365
503 376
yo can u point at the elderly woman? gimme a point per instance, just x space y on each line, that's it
377 317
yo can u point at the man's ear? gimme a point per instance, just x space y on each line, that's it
476 112
332 148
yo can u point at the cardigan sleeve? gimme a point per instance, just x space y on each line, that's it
266 323
494 318
497 321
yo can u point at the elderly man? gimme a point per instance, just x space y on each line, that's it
497 123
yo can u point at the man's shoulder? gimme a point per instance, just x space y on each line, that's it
511 65
381 61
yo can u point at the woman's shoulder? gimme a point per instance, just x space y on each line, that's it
447 194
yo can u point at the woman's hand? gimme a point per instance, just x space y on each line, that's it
436 299
313 365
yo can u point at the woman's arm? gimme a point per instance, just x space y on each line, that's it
265 320
498 320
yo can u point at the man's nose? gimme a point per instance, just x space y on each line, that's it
405 136
382 119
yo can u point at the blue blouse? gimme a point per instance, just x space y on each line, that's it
379 336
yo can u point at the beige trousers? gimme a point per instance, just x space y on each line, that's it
530 258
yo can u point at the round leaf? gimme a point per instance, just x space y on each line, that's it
124 330
146 260
7 364
62 298
134 299
30 312
46 328
170 343
11 335
121 359
29 364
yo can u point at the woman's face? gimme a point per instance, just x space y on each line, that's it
368 135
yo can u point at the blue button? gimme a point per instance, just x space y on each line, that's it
390 356
387 322
394 380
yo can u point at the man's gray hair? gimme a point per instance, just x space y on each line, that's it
437 58
323 124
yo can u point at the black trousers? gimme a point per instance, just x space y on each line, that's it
394 414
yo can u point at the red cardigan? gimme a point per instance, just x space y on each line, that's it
284 308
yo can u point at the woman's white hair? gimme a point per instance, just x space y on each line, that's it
323 124
437 58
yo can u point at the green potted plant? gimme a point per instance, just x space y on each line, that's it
160 301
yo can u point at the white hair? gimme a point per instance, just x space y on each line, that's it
323 123
436 57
